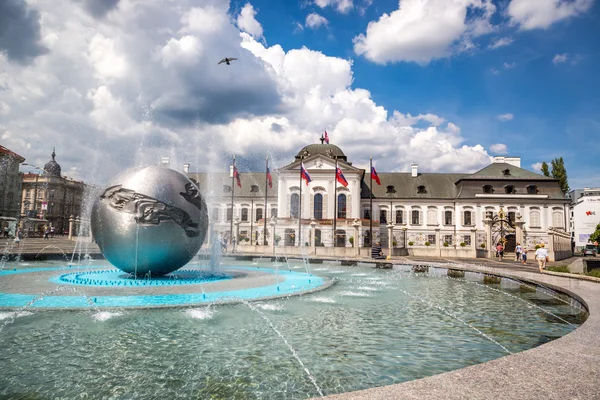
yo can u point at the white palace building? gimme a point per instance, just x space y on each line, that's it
413 213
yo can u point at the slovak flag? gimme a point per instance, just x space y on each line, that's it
236 175
304 174
269 178
339 176
374 175
326 137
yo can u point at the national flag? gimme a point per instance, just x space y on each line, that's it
236 175
339 176
269 178
304 174
374 175
326 137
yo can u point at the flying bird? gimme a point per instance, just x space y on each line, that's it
226 60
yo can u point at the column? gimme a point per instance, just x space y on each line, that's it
474 242
71 220
437 242
390 227
488 237
355 225
519 231
313 242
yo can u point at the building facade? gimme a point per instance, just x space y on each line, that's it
418 213
49 199
584 215
10 188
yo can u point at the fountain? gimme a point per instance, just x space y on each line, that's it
165 324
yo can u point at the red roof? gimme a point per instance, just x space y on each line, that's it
8 152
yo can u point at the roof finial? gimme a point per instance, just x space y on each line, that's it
322 138
53 153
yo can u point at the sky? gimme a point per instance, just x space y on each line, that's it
447 84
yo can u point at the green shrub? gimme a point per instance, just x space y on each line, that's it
482 245
446 244
559 268
410 243
595 273
537 246
427 244
462 244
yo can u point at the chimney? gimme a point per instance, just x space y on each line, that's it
186 168
414 168
165 161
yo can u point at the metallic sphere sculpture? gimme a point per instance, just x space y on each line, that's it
149 221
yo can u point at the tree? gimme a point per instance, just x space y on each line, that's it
545 170
559 172
595 237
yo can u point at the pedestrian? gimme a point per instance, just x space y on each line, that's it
500 250
376 252
524 255
233 241
52 232
6 232
541 255
46 233
18 237
518 251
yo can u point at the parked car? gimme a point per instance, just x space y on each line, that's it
589 250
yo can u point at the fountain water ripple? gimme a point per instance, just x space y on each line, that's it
514 297
431 304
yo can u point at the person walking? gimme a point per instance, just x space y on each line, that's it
518 251
524 255
500 250
18 237
541 255
376 252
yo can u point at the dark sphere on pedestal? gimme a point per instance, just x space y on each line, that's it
149 221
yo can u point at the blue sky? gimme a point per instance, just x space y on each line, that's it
445 83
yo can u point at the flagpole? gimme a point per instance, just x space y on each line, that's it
232 192
300 208
335 203
371 200
266 189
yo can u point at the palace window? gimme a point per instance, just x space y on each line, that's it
532 189
273 213
244 214
467 220
399 216
383 216
254 188
318 206
295 205
467 240
229 214
431 239
390 189
512 217
367 214
448 239
259 214
421 189
415 217
341 206
534 219
557 219
448 217
506 172
431 217
509 189
488 189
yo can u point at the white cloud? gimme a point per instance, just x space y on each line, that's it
501 42
530 14
247 23
499 148
560 58
507 65
537 166
314 20
165 95
422 31
342 6
505 117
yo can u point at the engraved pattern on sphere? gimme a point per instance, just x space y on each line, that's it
150 221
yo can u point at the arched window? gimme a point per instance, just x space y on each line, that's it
467 218
512 217
229 214
244 214
318 206
399 216
448 217
431 217
383 216
341 206
534 219
415 214
557 219
259 214
295 205
273 213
